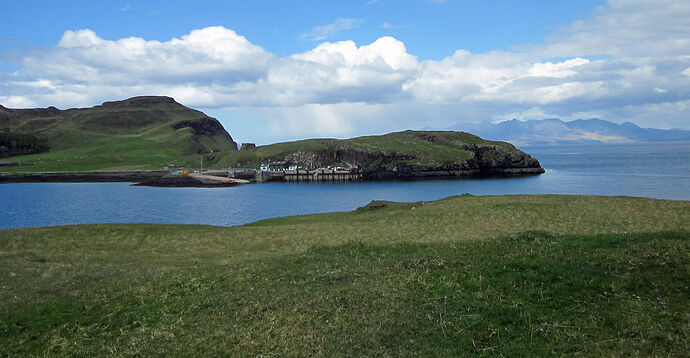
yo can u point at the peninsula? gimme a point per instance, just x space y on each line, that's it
145 139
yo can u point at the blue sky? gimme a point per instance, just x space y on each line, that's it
277 70
431 30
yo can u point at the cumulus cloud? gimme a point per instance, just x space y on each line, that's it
211 54
641 74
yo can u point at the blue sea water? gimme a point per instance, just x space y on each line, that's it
646 170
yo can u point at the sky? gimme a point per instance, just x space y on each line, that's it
286 70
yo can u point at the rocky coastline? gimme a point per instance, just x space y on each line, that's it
81 177
137 178
165 179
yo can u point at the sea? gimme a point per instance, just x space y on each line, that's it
653 170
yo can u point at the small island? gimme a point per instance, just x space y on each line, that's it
151 139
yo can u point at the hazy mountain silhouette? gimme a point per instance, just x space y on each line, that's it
556 131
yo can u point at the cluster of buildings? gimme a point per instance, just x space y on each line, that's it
294 169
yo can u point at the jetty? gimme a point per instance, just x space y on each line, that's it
297 175
209 179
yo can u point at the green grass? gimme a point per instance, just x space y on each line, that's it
482 276
445 148
128 135
104 153
121 136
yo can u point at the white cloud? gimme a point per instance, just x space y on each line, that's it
323 32
557 70
625 27
340 88
210 55
17 102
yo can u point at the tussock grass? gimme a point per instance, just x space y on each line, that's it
510 275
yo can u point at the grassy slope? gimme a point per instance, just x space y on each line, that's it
452 277
111 137
444 149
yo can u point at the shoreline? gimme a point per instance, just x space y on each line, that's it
373 206
157 178
81 177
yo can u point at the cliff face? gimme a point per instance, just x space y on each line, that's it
484 160
207 127
410 154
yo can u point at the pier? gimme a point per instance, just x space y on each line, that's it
299 175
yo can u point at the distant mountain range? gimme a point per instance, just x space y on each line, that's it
555 131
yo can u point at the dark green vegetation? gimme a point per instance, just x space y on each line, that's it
12 144
138 133
483 276
408 153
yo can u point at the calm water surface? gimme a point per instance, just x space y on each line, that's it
647 170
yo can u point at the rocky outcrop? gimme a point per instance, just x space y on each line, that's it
207 127
248 146
485 160
169 180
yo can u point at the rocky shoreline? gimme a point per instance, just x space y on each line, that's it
86 177
165 179
138 178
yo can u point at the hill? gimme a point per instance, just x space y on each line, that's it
527 276
137 133
144 133
556 131
394 155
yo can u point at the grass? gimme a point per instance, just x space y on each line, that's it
119 136
103 153
425 148
139 133
508 275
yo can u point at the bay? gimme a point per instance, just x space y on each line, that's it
655 170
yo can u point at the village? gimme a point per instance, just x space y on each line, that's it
283 171
274 171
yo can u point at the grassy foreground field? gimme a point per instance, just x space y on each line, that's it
483 276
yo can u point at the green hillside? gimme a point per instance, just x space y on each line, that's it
512 276
137 133
144 133
408 153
